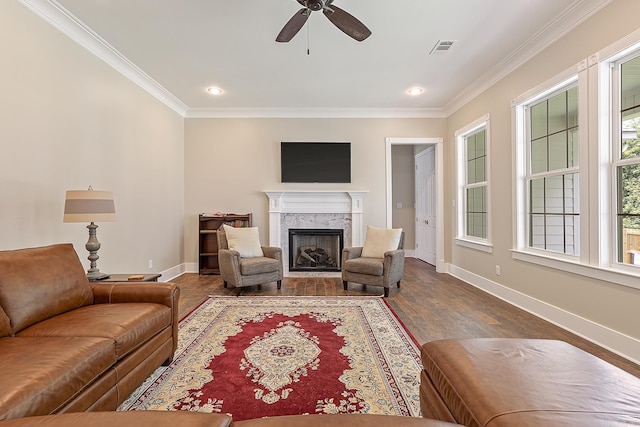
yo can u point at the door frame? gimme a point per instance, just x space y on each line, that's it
439 159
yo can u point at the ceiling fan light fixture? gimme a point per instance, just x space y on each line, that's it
214 90
415 91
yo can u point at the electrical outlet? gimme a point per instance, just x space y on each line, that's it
150 264
399 205
497 270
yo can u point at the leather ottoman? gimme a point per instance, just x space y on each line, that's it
497 382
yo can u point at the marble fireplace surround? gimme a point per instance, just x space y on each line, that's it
314 209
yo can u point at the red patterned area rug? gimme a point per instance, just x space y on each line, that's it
253 357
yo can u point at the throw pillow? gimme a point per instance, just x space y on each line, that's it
244 240
380 240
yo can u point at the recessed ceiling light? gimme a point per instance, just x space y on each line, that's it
415 91
214 90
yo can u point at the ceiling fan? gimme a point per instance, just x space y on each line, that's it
341 19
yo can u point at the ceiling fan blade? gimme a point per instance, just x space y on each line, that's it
347 23
292 27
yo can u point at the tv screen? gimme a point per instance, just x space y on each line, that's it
315 162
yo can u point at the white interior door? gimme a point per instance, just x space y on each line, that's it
425 185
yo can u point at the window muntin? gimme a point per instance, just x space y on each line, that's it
553 190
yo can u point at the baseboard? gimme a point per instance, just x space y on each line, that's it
174 272
192 267
621 344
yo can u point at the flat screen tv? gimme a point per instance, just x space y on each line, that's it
315 162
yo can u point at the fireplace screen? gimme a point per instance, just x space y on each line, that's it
315 249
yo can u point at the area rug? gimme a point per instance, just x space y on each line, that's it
253 357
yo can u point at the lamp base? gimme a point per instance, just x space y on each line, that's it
98 276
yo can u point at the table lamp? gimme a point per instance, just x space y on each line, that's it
90 206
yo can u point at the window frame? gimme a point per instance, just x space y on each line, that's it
530 175
609 143
462 237
574 76
598 124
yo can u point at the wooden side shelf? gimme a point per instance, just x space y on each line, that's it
208 226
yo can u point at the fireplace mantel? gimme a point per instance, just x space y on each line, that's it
316 202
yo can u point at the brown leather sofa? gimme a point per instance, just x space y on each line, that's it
68 345
199 419
495 382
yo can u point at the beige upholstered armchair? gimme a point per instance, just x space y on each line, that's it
380 262
243 261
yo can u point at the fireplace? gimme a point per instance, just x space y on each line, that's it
315 249
343 210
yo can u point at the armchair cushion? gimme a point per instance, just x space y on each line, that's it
370 266
245 240
258 265
380 240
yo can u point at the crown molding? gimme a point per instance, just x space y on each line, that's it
56 15
573 16
317 113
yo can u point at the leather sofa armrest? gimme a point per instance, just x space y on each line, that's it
117 292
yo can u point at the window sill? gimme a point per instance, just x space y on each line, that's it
484 247
619 277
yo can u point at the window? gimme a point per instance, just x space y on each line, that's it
551 205
473 184
626 160
552 177
577 168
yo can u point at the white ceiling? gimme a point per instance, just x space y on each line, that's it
176 49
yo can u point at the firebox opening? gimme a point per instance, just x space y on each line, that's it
315 249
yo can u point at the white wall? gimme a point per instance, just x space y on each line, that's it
601 310
403 191
232 161
69 121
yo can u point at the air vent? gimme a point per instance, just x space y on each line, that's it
441 47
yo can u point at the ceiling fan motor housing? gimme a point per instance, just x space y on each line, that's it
314 5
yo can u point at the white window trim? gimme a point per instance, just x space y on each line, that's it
597 227
461 239
608 105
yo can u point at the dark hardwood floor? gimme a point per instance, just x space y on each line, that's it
431 305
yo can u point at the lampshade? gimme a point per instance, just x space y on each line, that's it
89 206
